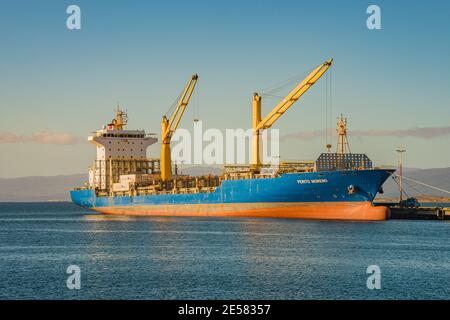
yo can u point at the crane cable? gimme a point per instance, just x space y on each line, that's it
423 184
409 185
329 107
326 109
395 176
195 110
414 188
398 184
269 91
173 106
331 104
327 142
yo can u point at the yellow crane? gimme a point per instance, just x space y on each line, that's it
259 125
169 126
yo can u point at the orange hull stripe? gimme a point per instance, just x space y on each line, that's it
361 211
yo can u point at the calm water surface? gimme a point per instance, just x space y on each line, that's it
216 258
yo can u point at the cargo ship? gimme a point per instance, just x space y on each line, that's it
337 186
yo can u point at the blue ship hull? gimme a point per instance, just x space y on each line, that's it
338 195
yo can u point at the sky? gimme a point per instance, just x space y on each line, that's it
58 85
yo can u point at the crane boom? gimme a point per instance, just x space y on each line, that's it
294 95
181 106
281 108
168 127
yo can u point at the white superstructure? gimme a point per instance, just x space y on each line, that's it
118 150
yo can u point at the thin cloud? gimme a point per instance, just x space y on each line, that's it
421 133
303 135
44 137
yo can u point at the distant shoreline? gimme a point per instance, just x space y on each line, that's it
37 201
429 199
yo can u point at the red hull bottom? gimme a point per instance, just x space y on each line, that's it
356 211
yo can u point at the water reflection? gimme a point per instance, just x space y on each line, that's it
217 258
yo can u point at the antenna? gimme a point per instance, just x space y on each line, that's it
120 120
342 147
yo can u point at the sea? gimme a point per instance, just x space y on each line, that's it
61 251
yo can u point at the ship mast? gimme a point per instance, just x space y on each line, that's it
342 147
120 120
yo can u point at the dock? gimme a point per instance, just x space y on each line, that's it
416 213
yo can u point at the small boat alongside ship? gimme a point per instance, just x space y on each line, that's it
337 186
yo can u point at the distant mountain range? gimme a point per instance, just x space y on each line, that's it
40 188
56 188
437 177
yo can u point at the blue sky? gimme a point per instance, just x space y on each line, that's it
388 82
